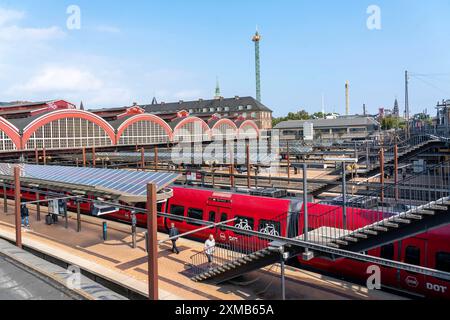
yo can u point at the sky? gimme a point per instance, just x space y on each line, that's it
131 51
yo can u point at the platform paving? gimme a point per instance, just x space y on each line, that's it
31 273
118 262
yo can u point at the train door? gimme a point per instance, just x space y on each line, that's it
389 276
439 259
413 251
217 214
219 210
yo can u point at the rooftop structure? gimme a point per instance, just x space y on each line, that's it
230 108
60 125
128 186
345 128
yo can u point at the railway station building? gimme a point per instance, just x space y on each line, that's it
342 128
59 124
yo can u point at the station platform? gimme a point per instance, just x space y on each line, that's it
115 262
24 276
17 283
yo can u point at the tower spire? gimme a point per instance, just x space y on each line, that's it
217 94
396 110
256 39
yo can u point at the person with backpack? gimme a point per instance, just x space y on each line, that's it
24 214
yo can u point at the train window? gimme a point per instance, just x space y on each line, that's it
387 252
443 261
212 216
412 255
223 217
159 207
177 211
244 223
195 214
270 227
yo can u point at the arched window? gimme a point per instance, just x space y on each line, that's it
191 129
144 129
68 129
6 143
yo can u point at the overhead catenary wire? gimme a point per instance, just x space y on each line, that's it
422 77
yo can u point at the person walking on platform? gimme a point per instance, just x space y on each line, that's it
24 214
173 232
210 246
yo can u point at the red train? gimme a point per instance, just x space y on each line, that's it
430 249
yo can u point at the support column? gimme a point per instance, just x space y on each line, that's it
382 174
344 195
288 154
38 206
305 202
247 151
36 155
143 159
94 160
18 219
396 171
133 230
367 156
283 278
84 157
152 243
78 216
156 159
231 169
44 155
307 255
5 199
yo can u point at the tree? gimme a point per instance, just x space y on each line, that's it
392 122
300 115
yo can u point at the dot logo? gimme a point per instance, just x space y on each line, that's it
412 282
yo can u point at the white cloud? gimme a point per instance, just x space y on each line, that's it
60 79
53 72
18 34
11 32
73 84
8 15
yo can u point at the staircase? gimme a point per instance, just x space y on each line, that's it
243 254
418 203
395 227
236 265
355 229
406 154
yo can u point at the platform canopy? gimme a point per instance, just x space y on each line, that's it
125 185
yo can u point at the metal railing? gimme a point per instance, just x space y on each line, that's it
226 251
